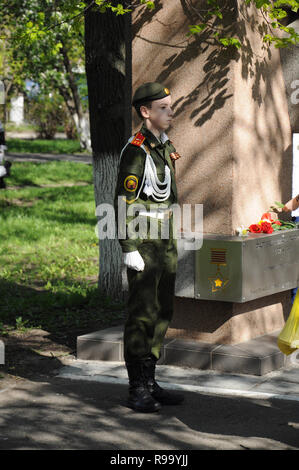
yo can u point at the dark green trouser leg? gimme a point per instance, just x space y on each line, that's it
151 296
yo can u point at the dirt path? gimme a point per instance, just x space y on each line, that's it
30 135
46 157
52 185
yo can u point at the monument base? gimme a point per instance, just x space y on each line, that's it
229 322
257 356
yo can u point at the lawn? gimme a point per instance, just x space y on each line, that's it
49 251
57 146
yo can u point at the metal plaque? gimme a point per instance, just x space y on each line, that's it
239 269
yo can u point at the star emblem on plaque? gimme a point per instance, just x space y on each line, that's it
218 282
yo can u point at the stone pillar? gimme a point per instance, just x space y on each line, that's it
290 61
232 128
290 68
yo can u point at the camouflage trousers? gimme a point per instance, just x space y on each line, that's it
151 295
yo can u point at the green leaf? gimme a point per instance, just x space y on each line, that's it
277 13
230 42
235 42
41 16
268 38
119 9
197 28
262 3
150 5
224 41
279 204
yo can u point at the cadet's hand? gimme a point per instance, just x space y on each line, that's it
286 208
292 204
134 260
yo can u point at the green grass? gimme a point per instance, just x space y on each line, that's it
11 126
56 146
49 251
34 174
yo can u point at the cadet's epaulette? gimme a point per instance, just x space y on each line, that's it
138 139
174 156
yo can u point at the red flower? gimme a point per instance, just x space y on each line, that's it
266 227
255 228
267 216
277 222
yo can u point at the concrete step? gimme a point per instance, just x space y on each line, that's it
259 356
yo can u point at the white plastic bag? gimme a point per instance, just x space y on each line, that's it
3 171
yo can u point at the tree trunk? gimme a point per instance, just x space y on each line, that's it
6 91
81 123
108 70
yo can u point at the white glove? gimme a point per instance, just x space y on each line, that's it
134 260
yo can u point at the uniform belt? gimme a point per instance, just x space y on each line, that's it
158 214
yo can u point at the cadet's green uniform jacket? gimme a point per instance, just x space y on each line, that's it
151 291
130 176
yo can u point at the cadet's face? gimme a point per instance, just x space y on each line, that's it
161 113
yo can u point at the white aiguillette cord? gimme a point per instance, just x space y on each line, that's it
150 178
152 181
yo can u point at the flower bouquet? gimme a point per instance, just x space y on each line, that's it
267 224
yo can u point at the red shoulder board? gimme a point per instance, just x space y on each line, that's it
174 155
138 139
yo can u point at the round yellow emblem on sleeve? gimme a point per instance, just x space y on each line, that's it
131 183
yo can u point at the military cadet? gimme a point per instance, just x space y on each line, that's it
147 176
290 206
4 166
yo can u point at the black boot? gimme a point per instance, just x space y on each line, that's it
140 398
158 393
